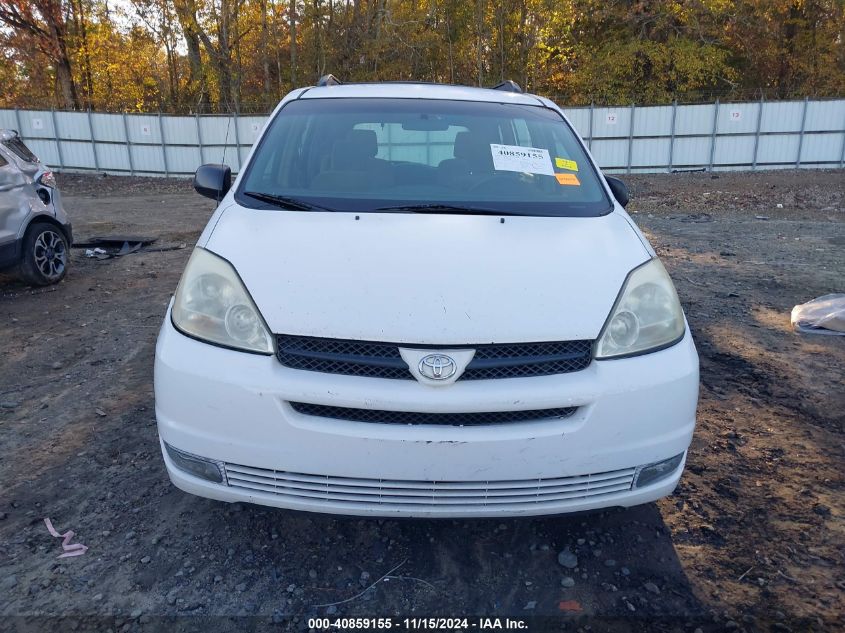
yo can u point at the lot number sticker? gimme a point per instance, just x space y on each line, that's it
529 160
145 130
37 124
736 115
611 118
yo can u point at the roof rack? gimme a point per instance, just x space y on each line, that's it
509 86
329 80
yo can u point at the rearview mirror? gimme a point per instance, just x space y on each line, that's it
213 181
619 189
426 123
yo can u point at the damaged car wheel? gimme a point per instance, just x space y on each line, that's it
45 255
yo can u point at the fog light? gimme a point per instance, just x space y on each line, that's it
655 472
197 466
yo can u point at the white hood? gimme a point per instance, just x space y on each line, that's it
429 278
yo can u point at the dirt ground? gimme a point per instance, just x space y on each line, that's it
753 538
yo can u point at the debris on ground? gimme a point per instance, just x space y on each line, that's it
823 315
70 549
109 247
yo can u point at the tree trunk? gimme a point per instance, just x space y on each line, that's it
293 43
500 10
81 23
265 52
479 37
64 72
196 92
65 85
523 43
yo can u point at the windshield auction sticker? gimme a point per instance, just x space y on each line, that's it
566 163
527 160
568 179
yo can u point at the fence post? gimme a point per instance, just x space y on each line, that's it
199 137
757 133
630 138
801 134
128 146
58 141
93 141
163 147
590 140
842 156
713 133
672 134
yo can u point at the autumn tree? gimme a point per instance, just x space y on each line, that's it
43 22
225 55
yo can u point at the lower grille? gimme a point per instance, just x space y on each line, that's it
441 419
473 495
376 359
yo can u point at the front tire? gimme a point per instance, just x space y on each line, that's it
45 255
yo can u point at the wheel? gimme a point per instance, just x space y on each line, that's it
45 255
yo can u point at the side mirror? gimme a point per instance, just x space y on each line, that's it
619 189
213 181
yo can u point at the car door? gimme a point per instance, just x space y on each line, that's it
14 206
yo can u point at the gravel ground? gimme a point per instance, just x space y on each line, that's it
751 540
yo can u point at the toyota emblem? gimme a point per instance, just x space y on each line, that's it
438 367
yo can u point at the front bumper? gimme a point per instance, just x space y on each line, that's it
232 407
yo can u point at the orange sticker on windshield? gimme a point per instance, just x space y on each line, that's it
568 179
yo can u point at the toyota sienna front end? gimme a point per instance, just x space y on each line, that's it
422 300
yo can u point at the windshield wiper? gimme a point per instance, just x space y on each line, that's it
285 202
445 208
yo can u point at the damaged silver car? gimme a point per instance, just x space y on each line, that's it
35 232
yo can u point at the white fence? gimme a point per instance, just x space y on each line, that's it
630 139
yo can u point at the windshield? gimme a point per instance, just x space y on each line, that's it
439 156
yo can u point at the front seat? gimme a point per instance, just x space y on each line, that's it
472 156
353 165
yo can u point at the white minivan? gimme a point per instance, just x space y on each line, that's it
425 301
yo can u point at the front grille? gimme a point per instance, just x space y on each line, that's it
449 496
441 419
528 359
336 356
382 360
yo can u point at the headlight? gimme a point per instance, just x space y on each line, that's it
212 304
647 315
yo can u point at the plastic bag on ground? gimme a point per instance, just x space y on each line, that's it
824 315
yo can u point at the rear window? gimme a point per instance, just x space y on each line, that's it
19 149
364 154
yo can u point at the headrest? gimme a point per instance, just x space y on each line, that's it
366 140
471 147
463 145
